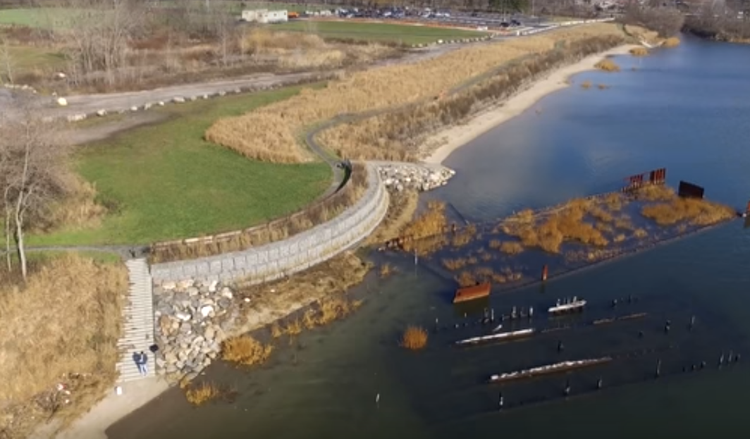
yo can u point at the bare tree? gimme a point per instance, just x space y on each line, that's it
32 172
99 32
7 60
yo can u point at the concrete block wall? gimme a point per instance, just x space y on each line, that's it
277 259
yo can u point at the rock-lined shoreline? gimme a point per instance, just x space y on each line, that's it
400 176
192 319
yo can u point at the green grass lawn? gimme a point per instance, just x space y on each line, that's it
384 32
36 17
168 183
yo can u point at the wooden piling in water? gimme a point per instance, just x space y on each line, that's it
545 272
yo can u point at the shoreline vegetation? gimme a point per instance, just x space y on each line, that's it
266 305
573 235
271 133
60 332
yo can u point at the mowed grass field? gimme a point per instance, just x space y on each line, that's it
165 182
36 17
376 32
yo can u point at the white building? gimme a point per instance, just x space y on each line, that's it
265 16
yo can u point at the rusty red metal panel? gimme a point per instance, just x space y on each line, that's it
747 209
652 176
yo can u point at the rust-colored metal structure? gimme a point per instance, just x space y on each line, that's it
636 181
747 209
471 293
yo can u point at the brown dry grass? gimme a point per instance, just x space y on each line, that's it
275 300
385 270
431 222
511 247
202 393
607 65
400 212
273 231
272 132
61 327
639 51
602 86
245 350
455 264
656 193
567 222
586 84
78 210
487 274
414 338
697 212
464 236
671 42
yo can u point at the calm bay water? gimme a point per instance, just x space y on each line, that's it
686 109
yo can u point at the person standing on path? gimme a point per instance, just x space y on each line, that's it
141 361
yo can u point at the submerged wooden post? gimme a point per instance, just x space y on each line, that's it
545 271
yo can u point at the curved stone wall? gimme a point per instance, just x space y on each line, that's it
278 259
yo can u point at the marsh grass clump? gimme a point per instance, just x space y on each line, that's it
245 350
602 86
466 279
607 65
511 247
414 338
464 236
652 192
431 222
671 42
455 264
202 393
639 51
697 212
586 84
385 270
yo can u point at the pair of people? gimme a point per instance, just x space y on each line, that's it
141 360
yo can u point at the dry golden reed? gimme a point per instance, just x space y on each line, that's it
245 350
431 222
639 51
671 42
202 393
697 212
586 84
272 133
511 247
414 338
607 65
61 326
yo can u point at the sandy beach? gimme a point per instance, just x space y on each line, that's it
453 138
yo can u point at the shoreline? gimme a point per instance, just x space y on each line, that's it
452 138
113 408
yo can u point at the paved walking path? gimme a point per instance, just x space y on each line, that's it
138 317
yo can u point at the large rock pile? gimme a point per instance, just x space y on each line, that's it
412 176
191 320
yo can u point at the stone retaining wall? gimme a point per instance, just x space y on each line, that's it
277 259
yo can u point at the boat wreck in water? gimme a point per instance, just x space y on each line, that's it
562 366
567 305
471 293
496 337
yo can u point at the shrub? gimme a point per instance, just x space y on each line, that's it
202 393
607 65
245 350
511 247
414 338
671 42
